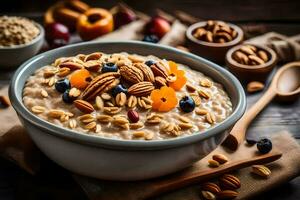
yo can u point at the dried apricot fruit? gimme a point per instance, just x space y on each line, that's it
179 79
164 99
79 78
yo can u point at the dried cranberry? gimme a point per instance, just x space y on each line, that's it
133 116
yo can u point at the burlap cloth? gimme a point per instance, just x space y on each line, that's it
16 146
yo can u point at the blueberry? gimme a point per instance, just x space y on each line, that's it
66 97
62 85
187 104
109 67
118 89
264 145
151 38
150 62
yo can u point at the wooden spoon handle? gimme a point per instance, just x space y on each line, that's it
238 132
166 185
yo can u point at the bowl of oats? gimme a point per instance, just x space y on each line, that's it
20 39
125 110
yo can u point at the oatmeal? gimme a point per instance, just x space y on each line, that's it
126 96
17 31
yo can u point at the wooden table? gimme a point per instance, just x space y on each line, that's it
282 16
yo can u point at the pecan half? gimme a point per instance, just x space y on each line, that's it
227 194
100 84
148 74
160 81
228 181
159 69
84 106
211 187
131 73
141 89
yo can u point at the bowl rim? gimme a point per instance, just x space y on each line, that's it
106 142
270 62
238 39
39 37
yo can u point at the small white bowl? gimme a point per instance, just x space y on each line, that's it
11 57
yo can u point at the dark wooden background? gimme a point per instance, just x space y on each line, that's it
282 16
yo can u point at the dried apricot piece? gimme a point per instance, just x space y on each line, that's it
79 78
164 99
180 79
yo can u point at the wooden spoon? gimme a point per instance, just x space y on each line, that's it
155 188
285 85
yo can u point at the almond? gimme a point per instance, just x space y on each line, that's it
240 57
131 74
64 72
93 56
38 109
201 111
208 195
213 163
49 72
263 55
190 87
92 66
211 187
220 158
71 65
228 181
255 86
141 89
83 106
247 49
227 194
256 59
74 92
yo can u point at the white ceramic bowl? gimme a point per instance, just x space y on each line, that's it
114 159
11 57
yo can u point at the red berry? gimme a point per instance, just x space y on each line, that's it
133 116
122 17
57 34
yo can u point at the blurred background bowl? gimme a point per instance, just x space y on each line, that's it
12 57
247 73
215 52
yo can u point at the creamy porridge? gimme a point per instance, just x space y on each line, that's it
126 96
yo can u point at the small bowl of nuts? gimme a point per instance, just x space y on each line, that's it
212 39
20 39
251 62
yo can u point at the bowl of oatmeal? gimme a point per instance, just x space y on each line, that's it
150 110
20 39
